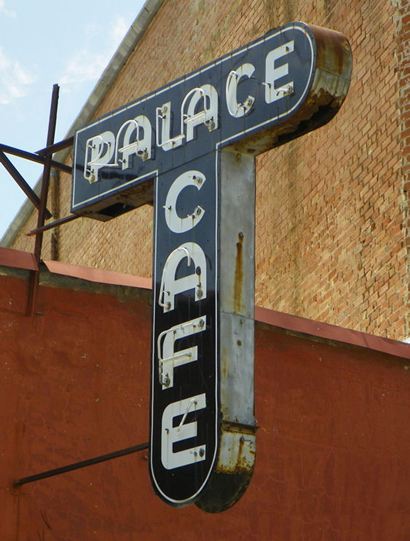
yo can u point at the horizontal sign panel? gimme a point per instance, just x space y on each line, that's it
248 91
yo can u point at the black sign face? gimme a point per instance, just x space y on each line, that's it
232 98
188 139
184 425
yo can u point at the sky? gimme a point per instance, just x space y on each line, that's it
44 42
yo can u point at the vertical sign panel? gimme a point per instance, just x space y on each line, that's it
184 383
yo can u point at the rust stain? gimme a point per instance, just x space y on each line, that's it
333 50
224 365
237 291
240 439
241 463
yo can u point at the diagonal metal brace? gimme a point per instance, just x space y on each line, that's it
22 183
53 224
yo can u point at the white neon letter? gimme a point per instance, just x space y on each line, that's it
163 116
140 145
98 152
170 434
168 357
236 109
171 286
208 96
274 73
174 221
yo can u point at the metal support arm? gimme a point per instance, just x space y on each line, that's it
78 465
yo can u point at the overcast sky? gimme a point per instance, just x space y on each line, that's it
41 43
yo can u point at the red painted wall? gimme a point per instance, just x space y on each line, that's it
333 447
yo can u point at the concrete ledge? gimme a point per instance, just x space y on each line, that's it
325 331
98 276
17 259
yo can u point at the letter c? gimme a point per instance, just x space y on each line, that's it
236 109
174 221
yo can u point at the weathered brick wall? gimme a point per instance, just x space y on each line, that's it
331 207
339 254
403 55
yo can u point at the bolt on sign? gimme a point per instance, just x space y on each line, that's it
190 148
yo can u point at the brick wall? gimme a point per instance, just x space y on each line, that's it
331 207
403 55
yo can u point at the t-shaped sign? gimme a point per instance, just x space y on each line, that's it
190 148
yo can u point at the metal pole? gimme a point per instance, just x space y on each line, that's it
78 465
47 168
34 278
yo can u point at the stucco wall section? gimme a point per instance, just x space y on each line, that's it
333 445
